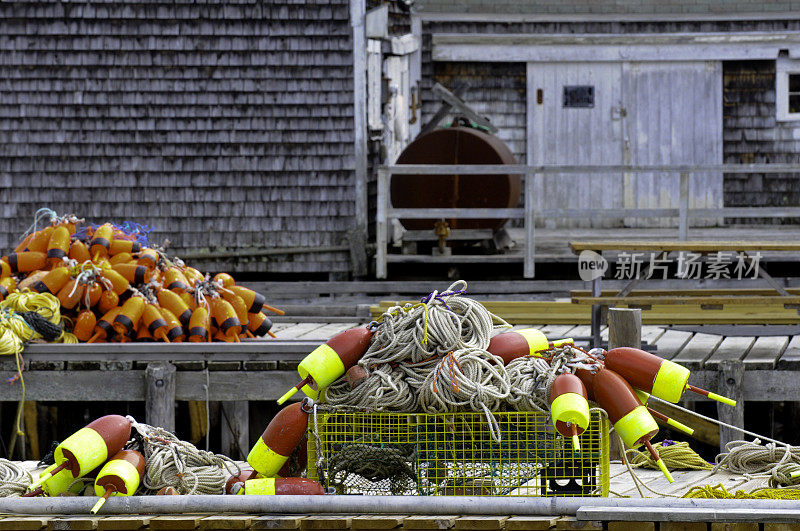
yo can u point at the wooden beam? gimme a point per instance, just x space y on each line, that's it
624 328
160 399
731 381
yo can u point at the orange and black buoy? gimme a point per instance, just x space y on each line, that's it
121 476
53 281
278 486
283 434
119 246
104 329
227 320
26 261
662 378
148 258
89 447
569 407
174 329
630 418
134 273
154 321
119 284
224 279
525 342
199 326
172 302
84 325
58 246
258 324
325 364
79 252
175 280
129 315
101 241
70 295
40 239
108 300
7 285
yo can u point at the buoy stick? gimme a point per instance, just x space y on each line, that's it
249 334
272 335
712 396
659 461
670 421
308 379
102 500
163 336
560 342
47 475
576 445
272 309
34 492
94 337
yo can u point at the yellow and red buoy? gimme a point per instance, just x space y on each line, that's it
569 407
525 342
120 476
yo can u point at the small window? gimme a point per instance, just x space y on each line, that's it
579 96
787 89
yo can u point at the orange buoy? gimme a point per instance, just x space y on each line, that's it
259 324
172 302
227 320
148 258
278 486
58 246
84 325
119 246
329 361
130 313
93 292
40 240
569 407
193 275
120 476
283 434
31 279
199 326
224 279
174 329
108 299
524 342
7 285
26 261
70 294
154 321
101 241
121 258
652 374
52 282
134 273
21 246
119 284
254 301
89 447
104 329
630 418
188 299
175 281
79 252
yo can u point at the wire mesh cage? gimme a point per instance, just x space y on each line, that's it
454 454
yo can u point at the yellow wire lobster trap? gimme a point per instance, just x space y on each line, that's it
453 454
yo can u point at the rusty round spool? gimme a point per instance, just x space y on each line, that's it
455 145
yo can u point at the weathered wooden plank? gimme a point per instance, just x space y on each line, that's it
556 331
74 523
122 523
673 245
790 359
624 328
671 342
697 300
570 522
23 523
231 521
699 347
734 526
765 352
298 330
326 522
687 518
730 348
234 428
160 395
175 522
276 522
731 380
429 522
326 331
631 526
530 523
481 523
376 521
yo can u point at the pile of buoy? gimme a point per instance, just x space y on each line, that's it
108 454
112 287
620 381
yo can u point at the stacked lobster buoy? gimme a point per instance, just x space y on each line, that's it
112 287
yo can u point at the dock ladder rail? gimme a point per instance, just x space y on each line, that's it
386 213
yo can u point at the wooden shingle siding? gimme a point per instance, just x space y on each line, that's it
225 126
752 135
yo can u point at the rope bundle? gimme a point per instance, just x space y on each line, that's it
677 456
14 480
777 462
172 462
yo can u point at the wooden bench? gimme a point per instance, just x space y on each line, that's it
778 296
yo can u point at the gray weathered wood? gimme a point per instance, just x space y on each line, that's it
731 348
683 218
624 327
790 359
660 514
235 429
731 381
695 352
358 251
160 401
765 352
671 342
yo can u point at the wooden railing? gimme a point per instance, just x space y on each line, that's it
386 212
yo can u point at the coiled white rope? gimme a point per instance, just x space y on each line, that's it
172 462
14 480
753 459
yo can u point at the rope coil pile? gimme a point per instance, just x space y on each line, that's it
172 462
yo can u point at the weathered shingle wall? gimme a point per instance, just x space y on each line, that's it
224 125
627 7
753 135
